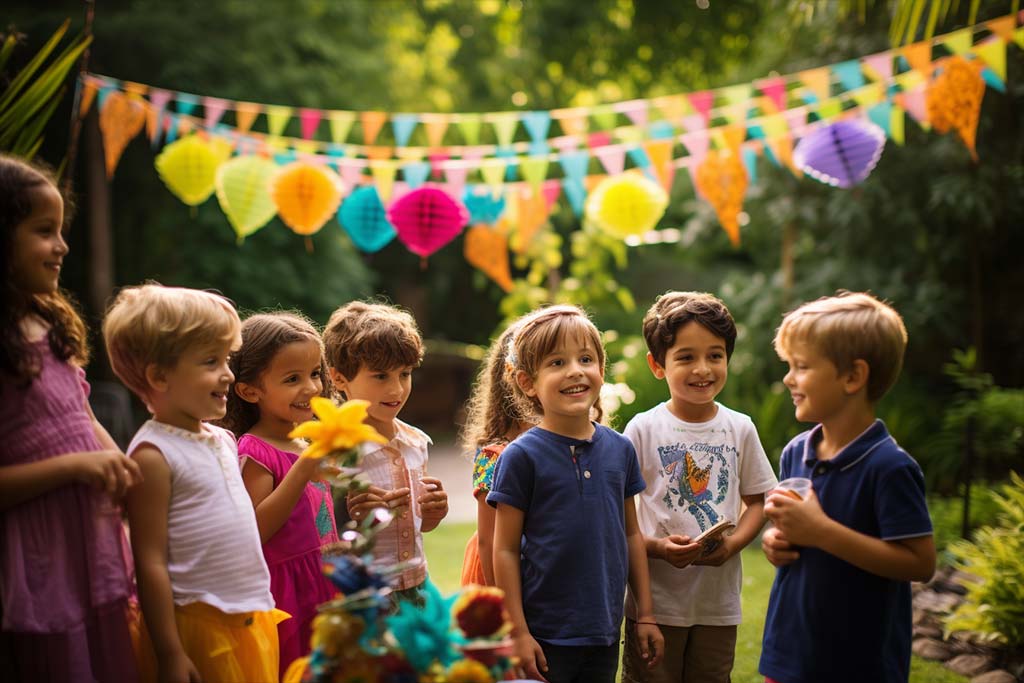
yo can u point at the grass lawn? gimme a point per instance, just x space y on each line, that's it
445 545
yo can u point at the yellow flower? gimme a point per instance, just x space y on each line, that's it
339 428
469 671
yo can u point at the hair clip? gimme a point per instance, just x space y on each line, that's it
511 360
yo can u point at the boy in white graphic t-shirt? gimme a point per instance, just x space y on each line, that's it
705 471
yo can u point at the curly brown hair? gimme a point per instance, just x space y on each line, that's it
374 335
67 335
673 310
263 335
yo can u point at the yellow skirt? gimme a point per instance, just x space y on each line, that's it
223 647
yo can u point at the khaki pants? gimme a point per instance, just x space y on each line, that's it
693 654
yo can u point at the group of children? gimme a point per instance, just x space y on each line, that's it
579 525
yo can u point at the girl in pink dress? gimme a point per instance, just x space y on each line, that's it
65 571
277 371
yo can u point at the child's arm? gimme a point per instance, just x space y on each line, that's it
805 523
433 504
485 537
508 533
649 638
147 516
679 551
274 505
108 470
750 522
777 549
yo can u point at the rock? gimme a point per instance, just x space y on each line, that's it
926 630
995 676
950 585
920 616
969 665
930 648
937 602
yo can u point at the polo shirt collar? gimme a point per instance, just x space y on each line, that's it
405 435
568 440
852 453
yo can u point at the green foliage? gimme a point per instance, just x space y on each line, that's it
31 97
995 603
947 513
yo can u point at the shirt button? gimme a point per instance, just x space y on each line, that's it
405 555
586 474
820 470
404 514
405 534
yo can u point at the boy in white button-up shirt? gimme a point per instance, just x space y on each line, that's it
372 350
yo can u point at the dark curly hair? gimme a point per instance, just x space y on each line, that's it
672 310
263 335
66 335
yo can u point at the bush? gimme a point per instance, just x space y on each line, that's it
947 516
995 602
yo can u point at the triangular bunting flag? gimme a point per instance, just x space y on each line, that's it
735 94
879 66
372 122
486 249
245 115
493 173
613 158
455 175
402 126
660 154
185 103
89 90
775 90
993 53
919 56
383 172
436 126
694 122
881 116
415 173
574 164
277 119
959 42
829 109
1002 27
696 143
635 111
469 126
782 148
734 113
672 107
504 126
701 103
1018 37
605 117
309 120
660 130
896 124
576 194
213 109
817 80
551 190
536 124
351 171
849 74
573 121
158 100
750 162
868 95
914 104
533 170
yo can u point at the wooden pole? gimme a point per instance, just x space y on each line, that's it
76 120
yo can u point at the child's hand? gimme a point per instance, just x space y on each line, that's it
651 643
802 522
178 669
777 549
679 551
531 658
110 471
721 552
434 501
361 503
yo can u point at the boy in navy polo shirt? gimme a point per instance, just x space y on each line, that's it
840 606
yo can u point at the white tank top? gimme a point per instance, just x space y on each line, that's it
213 545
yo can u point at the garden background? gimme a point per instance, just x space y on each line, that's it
930 230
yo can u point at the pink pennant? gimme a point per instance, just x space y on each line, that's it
613 158
309 119
473 154
455 175
696 143
598 139
351 171
775 90
564 143
435 164
914 103
702 102
694 122
635 110
795 118
158 100
880 64
551 190
214 108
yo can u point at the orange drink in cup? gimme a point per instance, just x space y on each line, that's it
795 487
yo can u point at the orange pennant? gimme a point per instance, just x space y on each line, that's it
372 122
486 249
818 81
954 99
88 95
436 126
121 119
919 56
782 148
245 115
378 152
533 214
1003 27
660 154
573 121
722 181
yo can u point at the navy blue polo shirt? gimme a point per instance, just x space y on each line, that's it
573 560
827 619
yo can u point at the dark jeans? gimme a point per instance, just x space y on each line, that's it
581 664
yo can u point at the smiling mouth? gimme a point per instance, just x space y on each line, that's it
575 390
702 385
391 404
301 406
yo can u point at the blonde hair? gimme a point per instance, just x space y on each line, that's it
493 411
539 334
848 327
154 325
374 335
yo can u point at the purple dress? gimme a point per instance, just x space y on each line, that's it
297 580
65 567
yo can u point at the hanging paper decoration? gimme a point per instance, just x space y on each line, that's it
722 180
625 205
121 119
306 196
242 185
487 250
427 219
363 216
841 154
483 206
954 100
189 167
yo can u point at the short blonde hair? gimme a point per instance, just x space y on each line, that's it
541 333
848 327
373 335
154 325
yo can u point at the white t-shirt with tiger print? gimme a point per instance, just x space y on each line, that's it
696 473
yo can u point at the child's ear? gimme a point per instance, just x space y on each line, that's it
655 366
856 378
247 392
337 379
525 382
156 377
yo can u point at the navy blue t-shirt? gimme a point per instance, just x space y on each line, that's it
827 619
573 560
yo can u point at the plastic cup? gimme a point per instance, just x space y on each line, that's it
795 487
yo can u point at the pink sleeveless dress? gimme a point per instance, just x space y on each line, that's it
66 583
297 580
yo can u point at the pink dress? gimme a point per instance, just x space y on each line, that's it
293 553
65 567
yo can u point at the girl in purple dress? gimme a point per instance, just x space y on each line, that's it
66 588
277 371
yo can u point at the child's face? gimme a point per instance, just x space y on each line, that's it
569 380
39 247
696 367
284 389
814 381
386 390
196 388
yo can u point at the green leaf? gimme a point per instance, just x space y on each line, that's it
25 75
